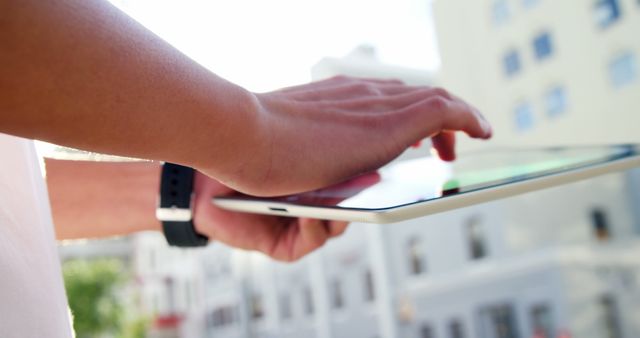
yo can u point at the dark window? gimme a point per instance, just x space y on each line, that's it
476 238
498 322
610 318
170 286
623 70
369 289
541 321
285 306
222 316
600 223
555 101
257 307
511 63
456 330
337 298
606 12
426 331
416 256
524 117
543 46
308 300
187 294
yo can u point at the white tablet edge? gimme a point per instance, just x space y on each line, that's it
420 209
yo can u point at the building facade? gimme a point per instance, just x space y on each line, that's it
562 262
545 72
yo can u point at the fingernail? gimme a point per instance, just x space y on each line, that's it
487 129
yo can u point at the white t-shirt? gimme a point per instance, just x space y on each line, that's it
32 297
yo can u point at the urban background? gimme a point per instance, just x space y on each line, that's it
558 263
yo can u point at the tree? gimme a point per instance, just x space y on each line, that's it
92 292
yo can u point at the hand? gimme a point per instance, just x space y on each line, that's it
283 238
315 135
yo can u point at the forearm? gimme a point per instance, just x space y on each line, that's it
83 74
101 199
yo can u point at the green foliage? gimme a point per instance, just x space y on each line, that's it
91 288
136 328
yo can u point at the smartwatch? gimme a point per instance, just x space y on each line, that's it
175 206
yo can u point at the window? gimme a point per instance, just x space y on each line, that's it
222 316
543 46
623 70
426 331
609 317
456 330
285 306
600 223
606 12
416 256
524 117
530 3
555 101
475 238
541 321
257 308
170 287
511 63
337 298
500 12
369 290
187 294
498 322
308 300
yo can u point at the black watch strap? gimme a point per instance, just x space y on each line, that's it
175 209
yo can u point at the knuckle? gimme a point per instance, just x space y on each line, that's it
436 103
441 92
364 88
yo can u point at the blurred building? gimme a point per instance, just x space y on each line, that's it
475 272
545 72
556 263
363 62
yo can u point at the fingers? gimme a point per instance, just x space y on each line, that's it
342 87
315 233
337 228
436 114
352 91
445 144
394 98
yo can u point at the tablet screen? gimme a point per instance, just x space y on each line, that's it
429 178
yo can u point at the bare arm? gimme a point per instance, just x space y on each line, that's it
101 199
83 74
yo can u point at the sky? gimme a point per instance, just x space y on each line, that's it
264 45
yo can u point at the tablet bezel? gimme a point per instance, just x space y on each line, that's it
486 192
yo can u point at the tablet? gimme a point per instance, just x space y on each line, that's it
424 186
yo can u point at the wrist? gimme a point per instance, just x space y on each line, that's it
239 153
